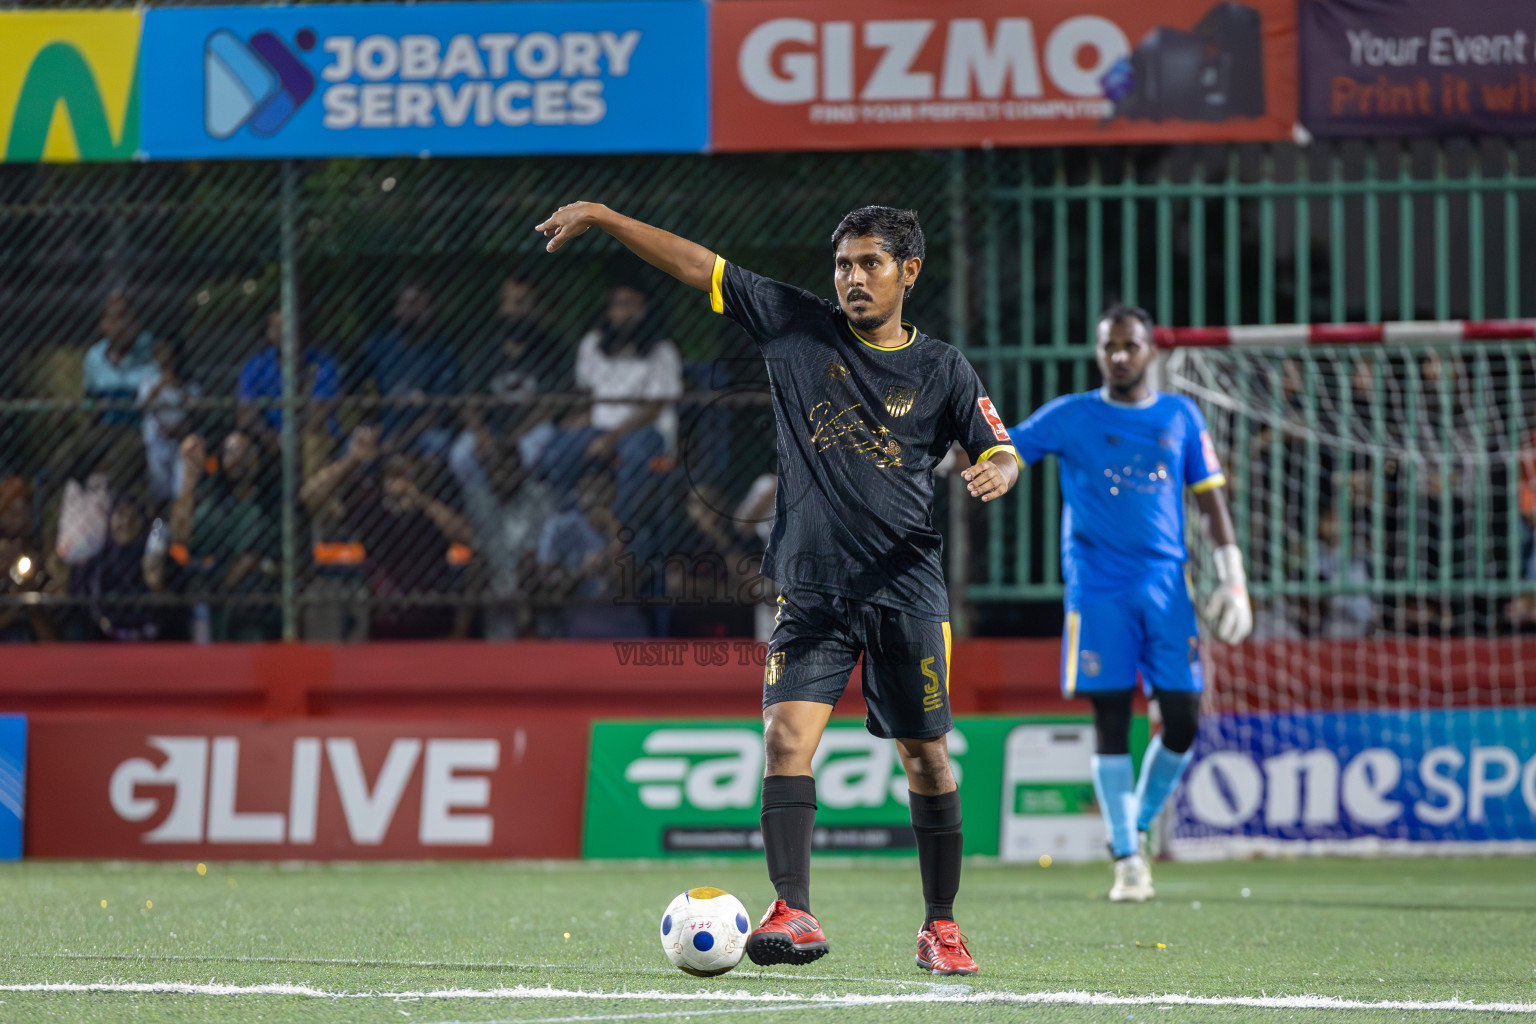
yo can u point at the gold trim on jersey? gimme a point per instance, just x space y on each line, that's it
1010 449
716 278
911 337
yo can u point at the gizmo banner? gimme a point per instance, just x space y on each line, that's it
808 74
448 79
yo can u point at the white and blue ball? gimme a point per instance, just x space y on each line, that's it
704 931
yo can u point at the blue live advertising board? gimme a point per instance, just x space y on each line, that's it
13 784
1379 781
445 79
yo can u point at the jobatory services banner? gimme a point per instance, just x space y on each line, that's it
69 87
306 788
1417 67
1388 780
13 784
807 74
431 79
686 787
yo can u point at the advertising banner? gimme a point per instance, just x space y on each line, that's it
306 789
807 74
674 788
69 87
1417 67
1372 780
13 784
431 79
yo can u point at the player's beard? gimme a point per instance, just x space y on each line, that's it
868 322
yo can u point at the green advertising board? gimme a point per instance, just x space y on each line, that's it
659 788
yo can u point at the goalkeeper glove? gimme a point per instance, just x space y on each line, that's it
1228 610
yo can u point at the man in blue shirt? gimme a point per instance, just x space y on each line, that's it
1127 453
261 379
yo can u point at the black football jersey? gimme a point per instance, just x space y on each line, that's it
860 429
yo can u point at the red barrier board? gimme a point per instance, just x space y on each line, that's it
806 74
318 789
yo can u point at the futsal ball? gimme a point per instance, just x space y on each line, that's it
704 931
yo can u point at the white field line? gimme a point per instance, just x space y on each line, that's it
740 974
947 996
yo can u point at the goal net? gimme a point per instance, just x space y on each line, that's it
1384 497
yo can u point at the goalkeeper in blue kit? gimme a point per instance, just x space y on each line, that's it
1126 454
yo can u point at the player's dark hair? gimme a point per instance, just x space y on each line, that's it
1120 312
898 230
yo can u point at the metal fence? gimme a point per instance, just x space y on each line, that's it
352 399
1347 232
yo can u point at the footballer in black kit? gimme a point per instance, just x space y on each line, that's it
860 429
866 406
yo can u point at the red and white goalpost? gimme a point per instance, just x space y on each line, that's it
1383 482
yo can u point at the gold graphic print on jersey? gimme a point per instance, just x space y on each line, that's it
837 371
846 429
898 400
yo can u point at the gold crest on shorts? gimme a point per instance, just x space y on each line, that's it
898 400
774 668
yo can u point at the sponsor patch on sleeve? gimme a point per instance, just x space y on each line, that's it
995 421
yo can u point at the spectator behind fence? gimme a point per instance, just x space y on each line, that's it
117 582
527 363
408 365
635 376
24 568
508 510
228 530
578 561
116 365
1343 616
261 381
162 397
407 536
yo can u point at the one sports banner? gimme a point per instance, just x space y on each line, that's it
313 789
429 79
69 85
13 784
688 787
1373 781
1417 67
808 74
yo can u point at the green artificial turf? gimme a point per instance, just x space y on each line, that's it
1419 930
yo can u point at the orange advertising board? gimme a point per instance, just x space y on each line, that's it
807 74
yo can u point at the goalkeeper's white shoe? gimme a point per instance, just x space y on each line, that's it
1133 880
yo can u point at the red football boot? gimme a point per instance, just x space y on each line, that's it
941 949
786 936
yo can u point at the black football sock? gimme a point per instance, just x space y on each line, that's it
789 817
936 820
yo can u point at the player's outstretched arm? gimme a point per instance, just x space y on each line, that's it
687 261
1229 612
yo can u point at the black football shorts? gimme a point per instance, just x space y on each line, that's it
818 638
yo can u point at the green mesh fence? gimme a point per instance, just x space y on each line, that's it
438 466
429 472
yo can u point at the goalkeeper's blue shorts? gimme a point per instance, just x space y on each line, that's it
1149 628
